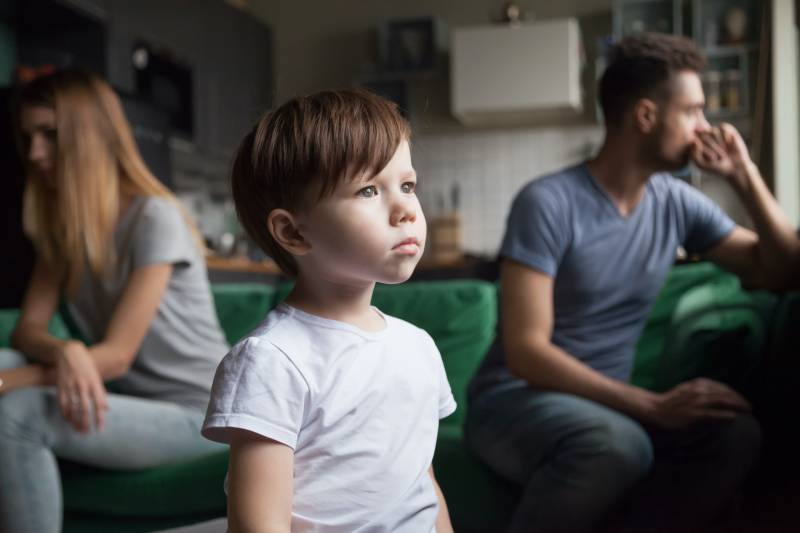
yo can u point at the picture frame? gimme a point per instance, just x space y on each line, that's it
410 45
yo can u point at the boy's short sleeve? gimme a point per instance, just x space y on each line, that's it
161 235
447 403
257 388
536 231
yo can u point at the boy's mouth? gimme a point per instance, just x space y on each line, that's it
407 246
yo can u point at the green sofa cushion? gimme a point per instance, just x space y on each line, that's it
702 324
478 499
459 315
241 306
188 487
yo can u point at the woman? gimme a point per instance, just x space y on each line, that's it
114 243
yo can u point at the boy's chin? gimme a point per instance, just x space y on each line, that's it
398 276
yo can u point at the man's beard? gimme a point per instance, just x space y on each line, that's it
661 161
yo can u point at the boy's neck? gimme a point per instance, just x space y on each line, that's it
344 302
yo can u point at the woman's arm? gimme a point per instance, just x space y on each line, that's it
25 376
31 336
260 485
81 371
131 319
443 524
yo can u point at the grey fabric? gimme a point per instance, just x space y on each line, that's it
184 343
607 269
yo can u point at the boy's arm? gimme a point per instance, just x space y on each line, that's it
260 484
443 524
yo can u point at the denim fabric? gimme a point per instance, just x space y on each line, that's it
138 433
584 466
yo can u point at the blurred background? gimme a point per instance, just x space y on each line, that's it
497 93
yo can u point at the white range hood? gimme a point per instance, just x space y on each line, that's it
505 75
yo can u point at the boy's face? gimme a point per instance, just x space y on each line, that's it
369 229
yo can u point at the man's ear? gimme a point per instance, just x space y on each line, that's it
283 227
645 115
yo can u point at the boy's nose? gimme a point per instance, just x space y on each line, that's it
404 210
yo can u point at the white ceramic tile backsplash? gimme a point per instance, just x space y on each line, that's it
489 168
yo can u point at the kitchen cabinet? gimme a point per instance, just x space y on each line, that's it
516 74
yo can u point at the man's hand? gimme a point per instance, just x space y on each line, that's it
722 151
698 399
81 391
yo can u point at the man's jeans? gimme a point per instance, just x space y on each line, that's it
584 466
138 433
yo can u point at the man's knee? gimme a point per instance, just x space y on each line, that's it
741 440
616 447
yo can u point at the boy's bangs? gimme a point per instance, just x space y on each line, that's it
360 141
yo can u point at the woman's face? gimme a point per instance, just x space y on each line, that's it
39 140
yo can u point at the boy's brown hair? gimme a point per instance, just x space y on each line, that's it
640 66
299 152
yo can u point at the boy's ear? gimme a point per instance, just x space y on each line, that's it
282 225
645 115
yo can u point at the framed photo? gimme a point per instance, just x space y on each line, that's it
410 45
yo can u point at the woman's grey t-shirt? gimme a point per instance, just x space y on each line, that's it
184 343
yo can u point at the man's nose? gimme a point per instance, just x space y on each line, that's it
703 124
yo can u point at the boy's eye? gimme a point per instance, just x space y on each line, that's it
368 192
408 187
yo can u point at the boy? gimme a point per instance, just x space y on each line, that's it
331 408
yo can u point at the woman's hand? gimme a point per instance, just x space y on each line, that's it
81 392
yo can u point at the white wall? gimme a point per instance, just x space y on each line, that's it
785 106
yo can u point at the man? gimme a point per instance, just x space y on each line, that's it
585 253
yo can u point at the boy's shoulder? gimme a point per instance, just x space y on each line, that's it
398 326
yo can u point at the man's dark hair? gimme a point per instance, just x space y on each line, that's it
640 66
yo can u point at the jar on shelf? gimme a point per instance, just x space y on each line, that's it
732 90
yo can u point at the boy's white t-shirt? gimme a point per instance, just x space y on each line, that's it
360 409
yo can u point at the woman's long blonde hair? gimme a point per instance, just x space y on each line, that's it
71 219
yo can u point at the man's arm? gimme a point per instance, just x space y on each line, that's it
443 524
769 257
260 485
527 324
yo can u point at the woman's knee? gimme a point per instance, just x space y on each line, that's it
11 359
24 410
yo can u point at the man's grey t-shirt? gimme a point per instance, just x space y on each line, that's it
607 269
184 342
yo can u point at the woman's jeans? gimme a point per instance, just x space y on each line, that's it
138 433
584 466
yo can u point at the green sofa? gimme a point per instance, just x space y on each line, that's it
702 324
